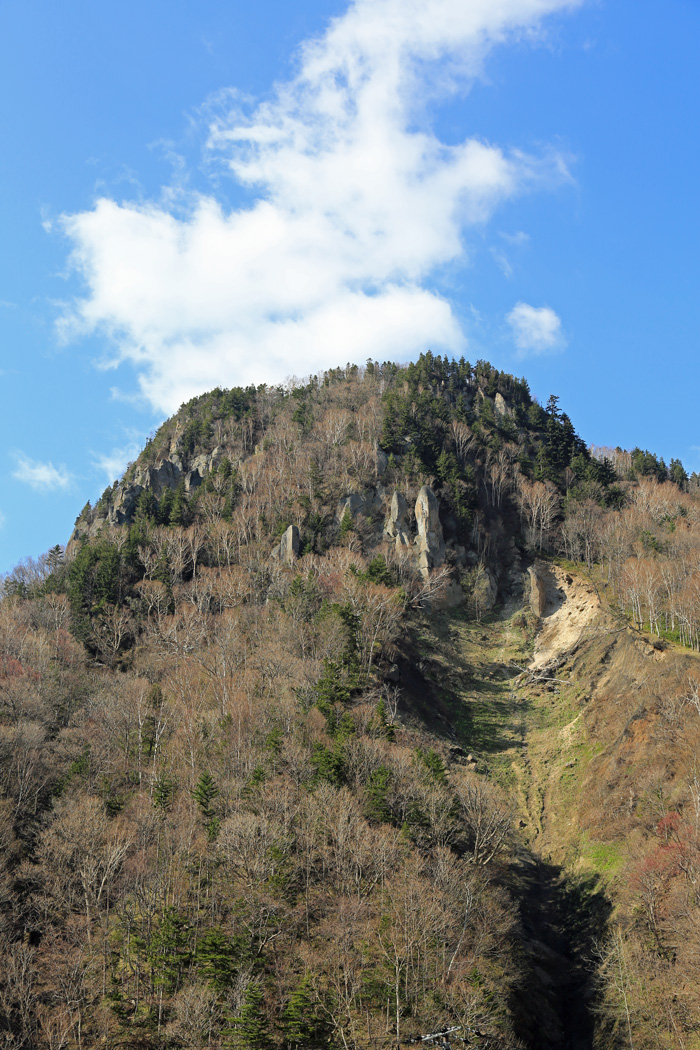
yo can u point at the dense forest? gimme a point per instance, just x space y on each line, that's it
242 806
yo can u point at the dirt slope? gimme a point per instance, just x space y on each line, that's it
572 607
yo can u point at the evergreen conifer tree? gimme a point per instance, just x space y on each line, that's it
376 795
204 793
179 511
216 959
250 1029
169 952
303 1027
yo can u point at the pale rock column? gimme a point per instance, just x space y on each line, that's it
430 541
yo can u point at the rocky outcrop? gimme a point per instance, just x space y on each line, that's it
369 504
501 406
354 504
165 475
430 541
381 462
159 477
396 526
287 549
538 590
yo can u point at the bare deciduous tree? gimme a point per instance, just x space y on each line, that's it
539 505
487 816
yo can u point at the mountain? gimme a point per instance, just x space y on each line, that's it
358 710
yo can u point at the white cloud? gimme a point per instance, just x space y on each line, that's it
43 477
504 263
356 203
536 329
113 464
513 240
517 240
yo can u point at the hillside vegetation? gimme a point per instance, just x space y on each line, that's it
287 763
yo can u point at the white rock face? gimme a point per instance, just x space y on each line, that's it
430 541
571 607
288 548
501 406
396 525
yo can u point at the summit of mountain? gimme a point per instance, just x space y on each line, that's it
342 444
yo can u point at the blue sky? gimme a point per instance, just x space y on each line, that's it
220 193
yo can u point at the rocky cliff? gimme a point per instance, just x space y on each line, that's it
118 504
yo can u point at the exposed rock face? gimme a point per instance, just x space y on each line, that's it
200 466
571 606
157 478
288 548
538 590
165 475
430 541
501 406
354 504
396 526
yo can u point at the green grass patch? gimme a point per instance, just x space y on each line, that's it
471 665
604 857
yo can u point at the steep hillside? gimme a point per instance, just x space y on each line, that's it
355 710
592 729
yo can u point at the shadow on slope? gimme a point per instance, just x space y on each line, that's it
563 918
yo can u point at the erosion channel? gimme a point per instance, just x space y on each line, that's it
503 691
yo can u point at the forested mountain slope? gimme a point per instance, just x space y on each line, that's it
356 709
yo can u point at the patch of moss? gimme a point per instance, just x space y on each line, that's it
604 857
